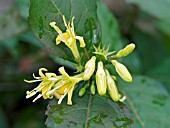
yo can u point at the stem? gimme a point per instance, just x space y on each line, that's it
111 57
87 54
88 111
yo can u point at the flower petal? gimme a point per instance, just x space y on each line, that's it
36 77
81 40
63 72
70 93
64 19
43 92
41 73
50 75
72 24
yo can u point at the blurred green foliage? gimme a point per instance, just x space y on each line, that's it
146 23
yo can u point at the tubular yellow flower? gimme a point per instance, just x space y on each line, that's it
47 82
69 37
127 50
111 86
65 86
101 79
122 71
89 68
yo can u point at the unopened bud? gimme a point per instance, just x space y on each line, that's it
89 68
82 91
101 79
112 89
114 77
92 88
127 50
122 71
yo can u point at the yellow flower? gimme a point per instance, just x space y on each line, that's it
65 86
69 37
47 82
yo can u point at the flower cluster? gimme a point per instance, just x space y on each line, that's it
53 85
94 73
104 81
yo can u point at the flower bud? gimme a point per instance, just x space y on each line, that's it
89 68
114 77
82 91
101 79
92 88
112 89
122 71
127 50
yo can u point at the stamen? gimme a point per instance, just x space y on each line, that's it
65 90
58 30
37 97
53 79
61 98
122 99
59 84
32 81
30 94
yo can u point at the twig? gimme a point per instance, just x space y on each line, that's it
88 111
111 57
87 54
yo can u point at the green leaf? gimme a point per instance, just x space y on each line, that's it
46 11
110 28
28 37
133 63
164 31
149 102
23 6
163 26
95 111
157 8
161 73
150 49
11 45
63 62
